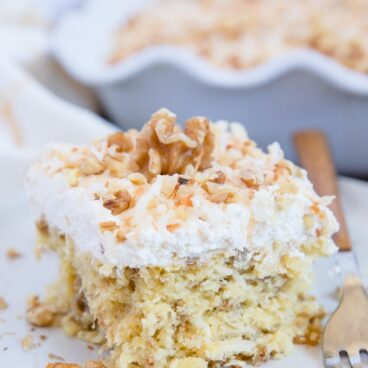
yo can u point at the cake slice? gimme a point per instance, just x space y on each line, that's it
180 247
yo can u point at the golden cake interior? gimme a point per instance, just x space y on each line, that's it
224 313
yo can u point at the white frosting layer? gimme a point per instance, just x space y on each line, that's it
270 216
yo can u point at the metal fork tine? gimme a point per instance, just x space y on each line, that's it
354 357
347 328
338 365
333 361
355 360
357 365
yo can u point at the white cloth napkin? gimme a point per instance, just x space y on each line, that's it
30 117
24 39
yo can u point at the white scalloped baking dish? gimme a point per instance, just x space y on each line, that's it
301 89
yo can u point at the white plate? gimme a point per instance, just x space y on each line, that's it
24 276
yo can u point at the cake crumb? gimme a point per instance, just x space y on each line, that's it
27 343
55 357
9 333
43 337
94 364
3 304
37 313
63 365
13 254
90 347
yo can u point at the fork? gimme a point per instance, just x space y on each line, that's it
345 338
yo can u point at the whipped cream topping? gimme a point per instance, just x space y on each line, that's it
245 201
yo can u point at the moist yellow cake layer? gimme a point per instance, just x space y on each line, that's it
226 312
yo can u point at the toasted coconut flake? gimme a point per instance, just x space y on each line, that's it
108 226
250 183
172 227
185 201
220 178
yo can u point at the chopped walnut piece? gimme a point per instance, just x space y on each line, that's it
3 304
154 162
119 166
38 314
27 343
91 166
122 141
119 203
13 253
198 128
220 193
63 365
167 131
163 148
169 188
108 226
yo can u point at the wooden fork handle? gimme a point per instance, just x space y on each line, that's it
315 156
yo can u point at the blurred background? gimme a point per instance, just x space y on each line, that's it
275 66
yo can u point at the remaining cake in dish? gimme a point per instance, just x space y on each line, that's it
180 247
238 34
